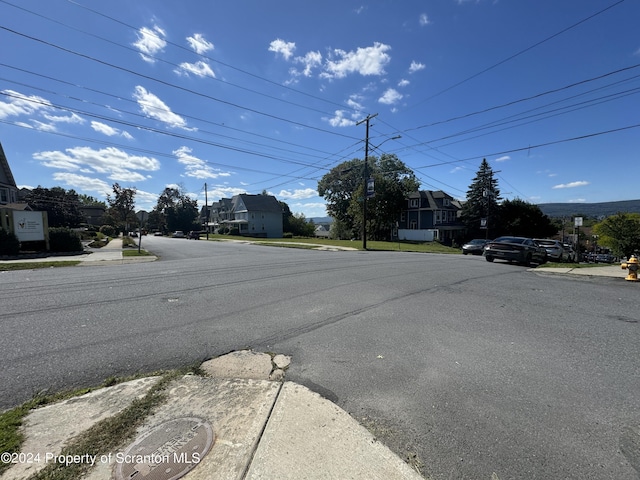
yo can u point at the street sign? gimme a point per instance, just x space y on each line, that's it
370 188
577 222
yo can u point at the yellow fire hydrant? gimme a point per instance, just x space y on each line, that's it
632 266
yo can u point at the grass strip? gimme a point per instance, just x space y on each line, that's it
5 267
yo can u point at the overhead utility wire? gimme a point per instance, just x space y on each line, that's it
147 77
151 152
178 113
300 92
540 145
126 47
519 53
154 130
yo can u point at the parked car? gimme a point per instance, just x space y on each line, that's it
571 253
515 249
157 234
194 235
474 247
604 258
554 248
178 234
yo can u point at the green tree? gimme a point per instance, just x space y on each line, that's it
122 207
62 206
524 219
295 224
343 188
482 204
620 232
89 201
175 210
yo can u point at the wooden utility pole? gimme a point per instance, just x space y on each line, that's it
366 180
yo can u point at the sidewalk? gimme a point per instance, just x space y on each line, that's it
241 421
110 254
607 271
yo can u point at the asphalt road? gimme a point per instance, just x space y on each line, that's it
475 370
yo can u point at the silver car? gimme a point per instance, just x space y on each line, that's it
554 248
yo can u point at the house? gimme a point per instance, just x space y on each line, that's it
253 215
8 188
431 215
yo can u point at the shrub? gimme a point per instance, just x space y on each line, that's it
108 230
287 235
64 240
9 243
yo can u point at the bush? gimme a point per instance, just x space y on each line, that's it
64 240
287 235
108 230
9 243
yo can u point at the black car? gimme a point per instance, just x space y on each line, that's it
515 249
474 247
194 235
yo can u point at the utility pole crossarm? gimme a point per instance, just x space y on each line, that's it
366 177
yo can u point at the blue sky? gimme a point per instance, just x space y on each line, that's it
247 96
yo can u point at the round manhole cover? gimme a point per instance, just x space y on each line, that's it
166 452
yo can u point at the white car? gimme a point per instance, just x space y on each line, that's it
178 234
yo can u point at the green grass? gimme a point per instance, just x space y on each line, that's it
102 438
4 267
135 253
573 265
426 247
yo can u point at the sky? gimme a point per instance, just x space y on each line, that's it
225 97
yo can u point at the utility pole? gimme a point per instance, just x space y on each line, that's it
366 179
206 211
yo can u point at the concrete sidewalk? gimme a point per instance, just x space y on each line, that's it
110 254
241 421
605 271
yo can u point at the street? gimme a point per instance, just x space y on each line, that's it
472 370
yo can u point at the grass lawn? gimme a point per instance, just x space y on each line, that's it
4 267
426 247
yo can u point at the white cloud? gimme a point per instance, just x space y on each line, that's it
581 183
578 200
354 102
150 42
73 118
364 61
310 60
339 120
199 44
196 167
200 69
298 194
286 49
403 83
416 66
20 104
83 183
503 159
116 164
423 20
155 108
109 131
390 97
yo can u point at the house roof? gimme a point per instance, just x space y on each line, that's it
258 203
434 199
6 177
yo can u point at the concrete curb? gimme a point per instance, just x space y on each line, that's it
262 429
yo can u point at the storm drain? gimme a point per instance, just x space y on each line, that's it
166 452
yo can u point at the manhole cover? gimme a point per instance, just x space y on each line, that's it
166 452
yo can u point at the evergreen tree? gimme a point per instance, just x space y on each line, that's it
481 208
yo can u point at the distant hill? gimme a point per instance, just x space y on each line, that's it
596 210
321 220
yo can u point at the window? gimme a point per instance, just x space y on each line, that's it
413 225
4 195
446 202
403 217
438 216
414 203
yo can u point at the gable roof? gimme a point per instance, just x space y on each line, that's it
6 177
258 203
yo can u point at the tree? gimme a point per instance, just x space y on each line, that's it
122 206
295 224
620 232
524 219
482 206
62 206
89 201
175 210
343 188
